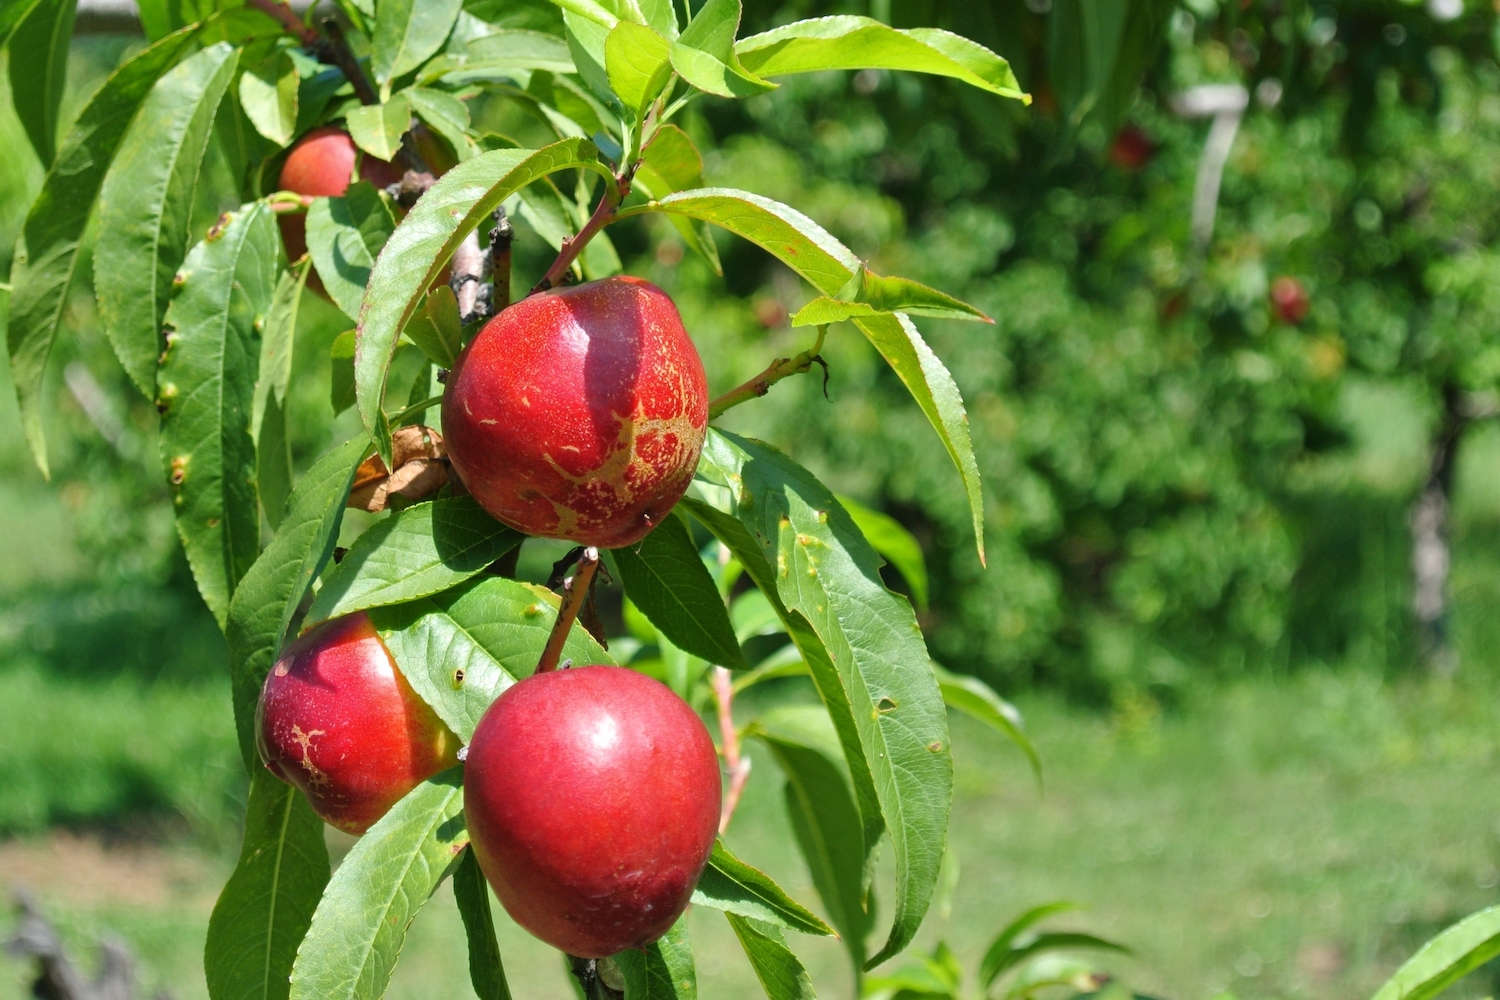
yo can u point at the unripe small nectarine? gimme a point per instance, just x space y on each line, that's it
579 412
592 798
337 719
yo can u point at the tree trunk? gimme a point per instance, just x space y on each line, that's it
1431 552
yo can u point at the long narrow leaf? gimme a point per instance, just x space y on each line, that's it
360 925
812 252
206 394
47 252
486 970
730 885
146 204
268 903
39 71
1446 959
779 972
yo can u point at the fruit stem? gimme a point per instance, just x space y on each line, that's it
282 12
577 590
739 766
572 246
775 372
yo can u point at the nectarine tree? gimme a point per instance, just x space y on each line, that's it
408 688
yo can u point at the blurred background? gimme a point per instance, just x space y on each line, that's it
1236 421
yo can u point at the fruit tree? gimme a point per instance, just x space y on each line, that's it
410 688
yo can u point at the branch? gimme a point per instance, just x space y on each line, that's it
739 766
501 238
576 591
572 246
775 372
467 269
283 13
337 49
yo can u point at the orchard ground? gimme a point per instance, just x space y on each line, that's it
1293 838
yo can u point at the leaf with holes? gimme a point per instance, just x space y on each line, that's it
265 908
47 252
418 250
361 923
812 252
413 553
462 648
146 204
664 575
206 394
830 574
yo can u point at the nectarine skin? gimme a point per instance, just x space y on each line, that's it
578 413
321 164
592 796
337 719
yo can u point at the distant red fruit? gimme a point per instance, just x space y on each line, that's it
1289 300
337 719
1132 148
579 413
592 796
322 164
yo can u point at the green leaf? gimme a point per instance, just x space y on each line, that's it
436 330
417 251
591 10
264 605
341 387
266 906
407 33
665 577
828 572
268 93
887 536
869 294
207 388
378 128
998 963
145 206
268 416
1446 959
413 553
12 14
39 71
462 648
639 63
672 163
705 56
977 700
486 970
47 253
517 49
663 970
779 972
730 885
344 236
850 42
825 819
812 252
444 114
736 536
359 927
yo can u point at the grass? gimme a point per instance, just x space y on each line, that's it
1276 838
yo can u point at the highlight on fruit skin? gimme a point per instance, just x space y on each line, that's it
579 412
592 798
337 719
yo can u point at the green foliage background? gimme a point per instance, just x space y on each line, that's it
1177 484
